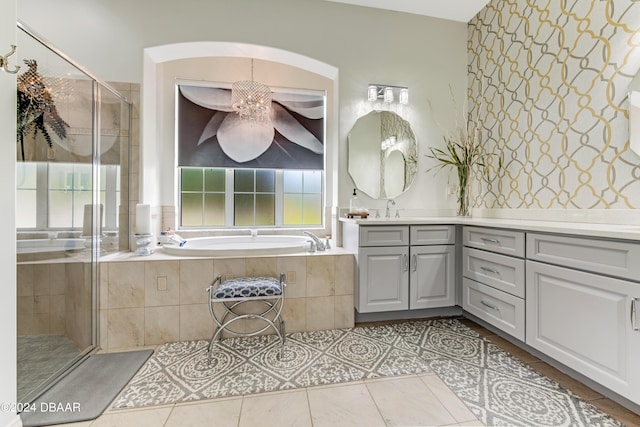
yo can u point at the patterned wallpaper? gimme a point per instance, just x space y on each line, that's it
549 80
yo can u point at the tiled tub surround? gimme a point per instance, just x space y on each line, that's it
146 301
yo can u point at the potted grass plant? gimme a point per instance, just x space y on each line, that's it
464 153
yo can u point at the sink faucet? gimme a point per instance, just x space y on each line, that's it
319 245
387 213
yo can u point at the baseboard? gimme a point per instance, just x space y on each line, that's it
408 314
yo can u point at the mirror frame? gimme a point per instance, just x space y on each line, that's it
406 144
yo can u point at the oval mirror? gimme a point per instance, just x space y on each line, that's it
382 158
634 114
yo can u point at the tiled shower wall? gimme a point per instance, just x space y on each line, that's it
55 298
149 302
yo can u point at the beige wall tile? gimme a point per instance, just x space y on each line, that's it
161 324
103 286
41 279
296 270
41 304
125 285
320 276
33 324
345 274
267 266
103 330
195 322
320 313
155 272
125 327
195 276
294 314
58 314
345 311
24 279
229 268
58 279
26 305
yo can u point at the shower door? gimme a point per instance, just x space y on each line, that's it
71 166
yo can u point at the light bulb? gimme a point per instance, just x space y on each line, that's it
373 93
388 95
404 96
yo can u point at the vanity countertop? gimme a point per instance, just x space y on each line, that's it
612 231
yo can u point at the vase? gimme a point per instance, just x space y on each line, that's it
464 190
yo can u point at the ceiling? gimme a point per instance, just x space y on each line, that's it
456 10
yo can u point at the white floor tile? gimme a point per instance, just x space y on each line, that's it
343 406
454 405
219 413
137 418
276 409
408 401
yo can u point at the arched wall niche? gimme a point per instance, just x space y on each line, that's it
157 178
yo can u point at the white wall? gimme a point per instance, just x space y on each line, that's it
366 45
7 219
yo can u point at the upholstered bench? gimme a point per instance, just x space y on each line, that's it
233 294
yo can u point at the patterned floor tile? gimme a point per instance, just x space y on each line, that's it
499 389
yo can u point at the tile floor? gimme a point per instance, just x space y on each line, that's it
411 400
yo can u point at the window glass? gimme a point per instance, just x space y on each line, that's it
214 209
191 179
244 181
191 210
244 209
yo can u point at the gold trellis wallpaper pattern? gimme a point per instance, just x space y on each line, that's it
549 81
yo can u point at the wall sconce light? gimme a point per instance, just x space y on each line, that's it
387 93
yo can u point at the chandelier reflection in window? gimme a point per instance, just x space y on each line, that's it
250 99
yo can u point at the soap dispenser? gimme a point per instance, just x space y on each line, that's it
354 203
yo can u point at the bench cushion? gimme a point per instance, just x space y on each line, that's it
243 287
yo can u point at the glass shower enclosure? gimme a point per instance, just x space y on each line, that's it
72 208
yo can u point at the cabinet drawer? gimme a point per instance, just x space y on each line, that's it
432 234
499 271
502 310
492 239
396 235
613 258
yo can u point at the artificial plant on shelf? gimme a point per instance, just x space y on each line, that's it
465 153
36 110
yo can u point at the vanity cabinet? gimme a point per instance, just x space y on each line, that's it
582 308
403 267
493 284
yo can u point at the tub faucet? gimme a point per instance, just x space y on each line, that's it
319 245
388 211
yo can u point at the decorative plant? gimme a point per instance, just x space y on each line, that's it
36 109
465 153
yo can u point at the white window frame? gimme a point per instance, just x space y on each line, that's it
229 203
42 199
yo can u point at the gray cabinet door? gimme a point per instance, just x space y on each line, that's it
583 320
432 279
383 280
